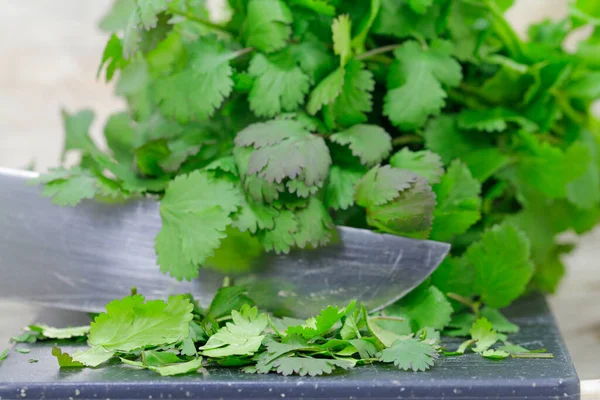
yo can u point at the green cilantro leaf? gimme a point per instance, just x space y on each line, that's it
495 354
49 332
77 127
410 355
320 325
243 336
424 163
279 84
228 299
315 226
71 186
289 344
121 137
420 6
155 323
267 25
386 337
339 190
454 275
165 363
284 149
64 359
366 347
459 204
29 336
493 120
318 6
93 357
424 307
301 189
398 18
498 321
460 325
381 185
237 253
148 11
314 58
342 42
257 188
484 335
254 216
502 265
180 368
355 99
326 91
195 211
112 58
584 191
547 168
514 349
280 239
152 358
397 201
415 83
207 71
310 366
443 136
116 19
345 93
370 143
130 323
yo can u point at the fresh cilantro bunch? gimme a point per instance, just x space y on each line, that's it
421 118
177 337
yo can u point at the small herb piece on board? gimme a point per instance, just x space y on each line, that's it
64 360
4 354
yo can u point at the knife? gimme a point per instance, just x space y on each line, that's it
82 257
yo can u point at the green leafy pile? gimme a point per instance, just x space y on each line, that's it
420 118
178 337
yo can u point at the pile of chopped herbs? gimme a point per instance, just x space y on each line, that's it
179 337
264 129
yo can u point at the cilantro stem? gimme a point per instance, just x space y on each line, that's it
191 17
473 305
387 318
247 50
465 100
505 31
379 50
226 282
532 355
407 139
572 113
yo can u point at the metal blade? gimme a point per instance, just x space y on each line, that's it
82 257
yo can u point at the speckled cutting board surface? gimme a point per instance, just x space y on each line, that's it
465 377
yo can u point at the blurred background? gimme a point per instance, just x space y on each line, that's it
49 54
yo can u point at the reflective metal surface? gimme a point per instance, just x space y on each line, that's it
83 257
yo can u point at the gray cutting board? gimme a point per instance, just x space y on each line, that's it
465 377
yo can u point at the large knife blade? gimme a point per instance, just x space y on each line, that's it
82 257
